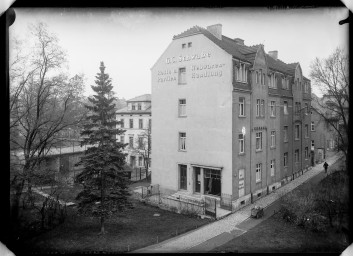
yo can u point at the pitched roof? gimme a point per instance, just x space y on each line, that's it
242 52
144 97
125 110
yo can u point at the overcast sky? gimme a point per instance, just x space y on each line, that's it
130 41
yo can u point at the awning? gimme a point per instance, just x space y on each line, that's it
207 166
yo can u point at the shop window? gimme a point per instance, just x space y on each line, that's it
212 182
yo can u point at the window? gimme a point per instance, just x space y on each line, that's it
312 145
285 159
306 87
183 46
241 144
296 155
259 141
263 78
257 107
140 124
258 172
150 123
241 73
273 108
272 167
131 123
182 107
122 139
296 132
285 83
133 106
273 139
140 141
122 123
182 76
182 176
131 141
140 161
256 77
306 108
312 126
285 107
182 141
189 44
306 153
260 74
139 106
262 108
296 108
273 81
241 106
285 134
306 131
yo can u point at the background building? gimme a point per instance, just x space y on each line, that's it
323 136
230 121
136 120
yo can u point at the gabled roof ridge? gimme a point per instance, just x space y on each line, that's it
196 29
143 97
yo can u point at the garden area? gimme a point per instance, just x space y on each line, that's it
312 218
127 231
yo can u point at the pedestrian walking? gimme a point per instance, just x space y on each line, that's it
325 167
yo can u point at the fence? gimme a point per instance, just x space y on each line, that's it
226 202
152 195
210 206
138 174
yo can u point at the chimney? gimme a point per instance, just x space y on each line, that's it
273 54
216 30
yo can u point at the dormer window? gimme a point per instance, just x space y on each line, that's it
133 106
240 73
189 44
273 81
285 83
139 106
183 46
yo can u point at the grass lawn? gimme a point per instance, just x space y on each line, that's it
275 235
135 228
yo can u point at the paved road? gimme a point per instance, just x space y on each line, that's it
209 236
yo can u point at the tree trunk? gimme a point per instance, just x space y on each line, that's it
16 200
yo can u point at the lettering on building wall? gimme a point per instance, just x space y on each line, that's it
206 70
197 71
181 58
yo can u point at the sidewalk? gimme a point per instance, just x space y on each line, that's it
227 226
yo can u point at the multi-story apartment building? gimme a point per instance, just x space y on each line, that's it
230 120
135 118
323 135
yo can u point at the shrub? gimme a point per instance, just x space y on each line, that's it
173 209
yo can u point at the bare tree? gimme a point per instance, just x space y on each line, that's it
332 77
144 146
43 101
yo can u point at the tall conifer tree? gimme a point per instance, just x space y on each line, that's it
104 179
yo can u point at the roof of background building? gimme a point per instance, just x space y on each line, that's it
126 111
239 51
144 97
